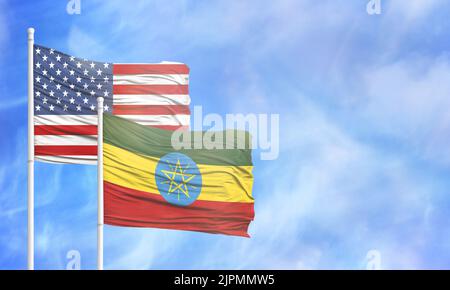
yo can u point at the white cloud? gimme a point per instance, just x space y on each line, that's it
408 99
13 200
10 202
134 248
329 191
412 10
325 194
8 104
84 45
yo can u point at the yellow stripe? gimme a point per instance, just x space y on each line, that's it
219 183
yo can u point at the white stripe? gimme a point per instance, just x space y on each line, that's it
65 120
68 159
92 119
171 120
151 79
61 140
152 99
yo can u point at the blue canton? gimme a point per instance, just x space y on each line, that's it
66 85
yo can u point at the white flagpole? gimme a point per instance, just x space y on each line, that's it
100 183
30 240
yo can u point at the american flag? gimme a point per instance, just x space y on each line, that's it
65 101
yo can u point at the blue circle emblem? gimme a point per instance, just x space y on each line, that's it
178 179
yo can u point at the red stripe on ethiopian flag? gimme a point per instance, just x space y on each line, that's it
135 69
170 127
129 207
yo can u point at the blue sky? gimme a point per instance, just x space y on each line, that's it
363 100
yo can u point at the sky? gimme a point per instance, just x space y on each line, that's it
364 162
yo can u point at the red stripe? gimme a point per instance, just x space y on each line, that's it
170 127
65 130
150 89
133 69
151 110
50 150
133 208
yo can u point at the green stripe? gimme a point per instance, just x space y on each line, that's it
155 142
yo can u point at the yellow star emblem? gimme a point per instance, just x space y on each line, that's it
176 185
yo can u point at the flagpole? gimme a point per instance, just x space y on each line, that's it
30 233
100 184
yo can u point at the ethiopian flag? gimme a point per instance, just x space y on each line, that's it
147 183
